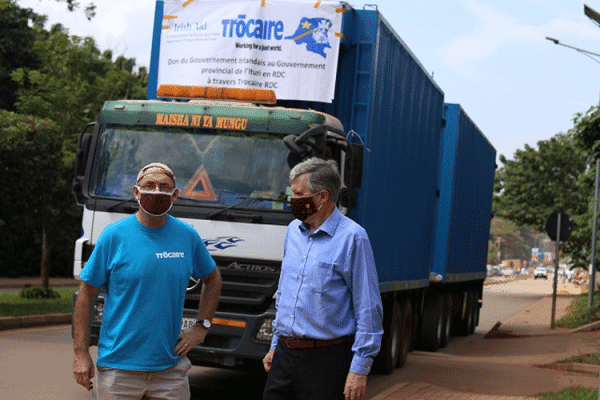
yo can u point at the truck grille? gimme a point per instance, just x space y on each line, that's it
247 287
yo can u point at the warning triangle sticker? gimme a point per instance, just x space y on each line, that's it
199 187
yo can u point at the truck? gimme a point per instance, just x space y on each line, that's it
417 174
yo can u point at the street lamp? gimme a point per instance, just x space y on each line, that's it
592 281
588 53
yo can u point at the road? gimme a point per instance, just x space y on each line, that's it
36 363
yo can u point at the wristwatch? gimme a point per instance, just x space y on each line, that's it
204 322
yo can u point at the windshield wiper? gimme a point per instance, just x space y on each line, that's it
248 200
120 203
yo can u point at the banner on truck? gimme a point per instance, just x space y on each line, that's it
290 47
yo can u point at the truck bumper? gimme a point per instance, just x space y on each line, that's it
234 340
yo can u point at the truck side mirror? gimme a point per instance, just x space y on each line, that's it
348 198
81 157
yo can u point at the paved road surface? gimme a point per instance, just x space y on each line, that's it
36 363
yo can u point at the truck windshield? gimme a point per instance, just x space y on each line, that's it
211 166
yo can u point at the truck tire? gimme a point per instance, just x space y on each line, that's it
474 310
415 341
446 320
390 342
431 332
465 326
406 329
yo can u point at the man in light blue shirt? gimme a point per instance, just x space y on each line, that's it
328 326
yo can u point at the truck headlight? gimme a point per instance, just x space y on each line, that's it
265 333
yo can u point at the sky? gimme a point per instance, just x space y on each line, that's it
490 56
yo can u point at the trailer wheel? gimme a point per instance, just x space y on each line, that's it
465 326
474 310
390 342
446 320
406 329
432 323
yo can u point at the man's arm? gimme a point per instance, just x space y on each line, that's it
83 366
209 300
369 314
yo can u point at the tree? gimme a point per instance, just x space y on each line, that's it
73 81
67 90
89 9
16 47
31 163
540 181
586 132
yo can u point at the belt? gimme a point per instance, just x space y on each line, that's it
303 344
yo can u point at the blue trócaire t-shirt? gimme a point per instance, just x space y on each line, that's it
145 273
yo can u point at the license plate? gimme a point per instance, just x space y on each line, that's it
187 323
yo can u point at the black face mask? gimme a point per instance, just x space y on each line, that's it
303 207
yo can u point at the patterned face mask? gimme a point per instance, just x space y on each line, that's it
155 203
303 207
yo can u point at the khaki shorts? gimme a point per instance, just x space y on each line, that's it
168 384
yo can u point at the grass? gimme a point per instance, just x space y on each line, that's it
590 358
579 313
573 393
12 305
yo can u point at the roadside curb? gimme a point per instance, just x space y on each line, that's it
30 321
593 326
497 333
23 283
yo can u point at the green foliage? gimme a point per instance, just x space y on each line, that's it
579 313
55 96
38 293
587 130
590 358
16 40
13 305
573 393
514 242
540 181
492 254
33 194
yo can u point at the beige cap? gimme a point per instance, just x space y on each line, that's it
155 168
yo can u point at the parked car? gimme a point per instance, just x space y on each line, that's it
540 272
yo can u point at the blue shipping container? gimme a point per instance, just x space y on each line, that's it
386 97
465 206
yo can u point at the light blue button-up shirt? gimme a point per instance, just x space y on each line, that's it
328 288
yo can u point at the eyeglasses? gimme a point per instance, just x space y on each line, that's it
166 189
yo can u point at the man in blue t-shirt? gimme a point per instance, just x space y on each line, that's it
144 263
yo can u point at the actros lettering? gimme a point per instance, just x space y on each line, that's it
252 28
173 254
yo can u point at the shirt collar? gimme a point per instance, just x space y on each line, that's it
328 227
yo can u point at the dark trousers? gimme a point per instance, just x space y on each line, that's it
308 374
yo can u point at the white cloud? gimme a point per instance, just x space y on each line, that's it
494 30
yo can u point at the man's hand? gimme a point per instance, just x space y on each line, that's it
268 360
190 338
356 386
83 368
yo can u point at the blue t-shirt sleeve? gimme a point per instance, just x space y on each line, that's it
203 261
95 271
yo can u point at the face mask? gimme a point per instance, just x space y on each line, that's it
303 207
155 203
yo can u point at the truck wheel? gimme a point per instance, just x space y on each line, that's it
446 320
463 325
390 342
432 328
406 329
474 310
415 341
